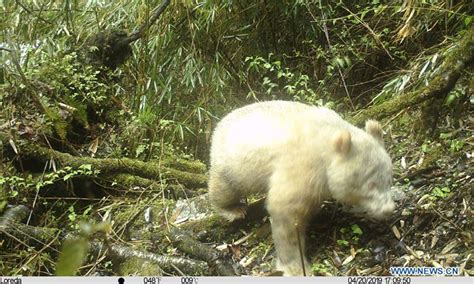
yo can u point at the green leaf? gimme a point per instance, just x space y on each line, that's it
467 21
425 148
140 150
340 61
86 167
356 229
441 192
68 176
342 242
72 256
450 99
445 136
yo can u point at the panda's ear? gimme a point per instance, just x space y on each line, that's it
375 129
342 142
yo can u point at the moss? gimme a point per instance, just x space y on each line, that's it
60 125
114 166
80 114
213 225
186 177
138 266
433 156
184 165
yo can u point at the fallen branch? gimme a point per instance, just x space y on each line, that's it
13 214
174 191
120 253
138 33
216 260
40 237
112 166
36 236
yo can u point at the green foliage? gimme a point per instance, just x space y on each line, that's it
349 235
453 97
260 250
199 61
144 135
321 268
72 256
425 147
65 86
75 219
455 145
420 71
70 79
74 250
57 123
342 242
15 184
356 230
191 67
279 79
440 193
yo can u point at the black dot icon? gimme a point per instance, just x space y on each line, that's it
121 280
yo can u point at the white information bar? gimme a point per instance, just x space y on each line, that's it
239 280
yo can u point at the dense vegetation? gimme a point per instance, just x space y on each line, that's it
107 107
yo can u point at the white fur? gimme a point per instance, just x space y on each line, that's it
300 156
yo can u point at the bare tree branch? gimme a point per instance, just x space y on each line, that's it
140 31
